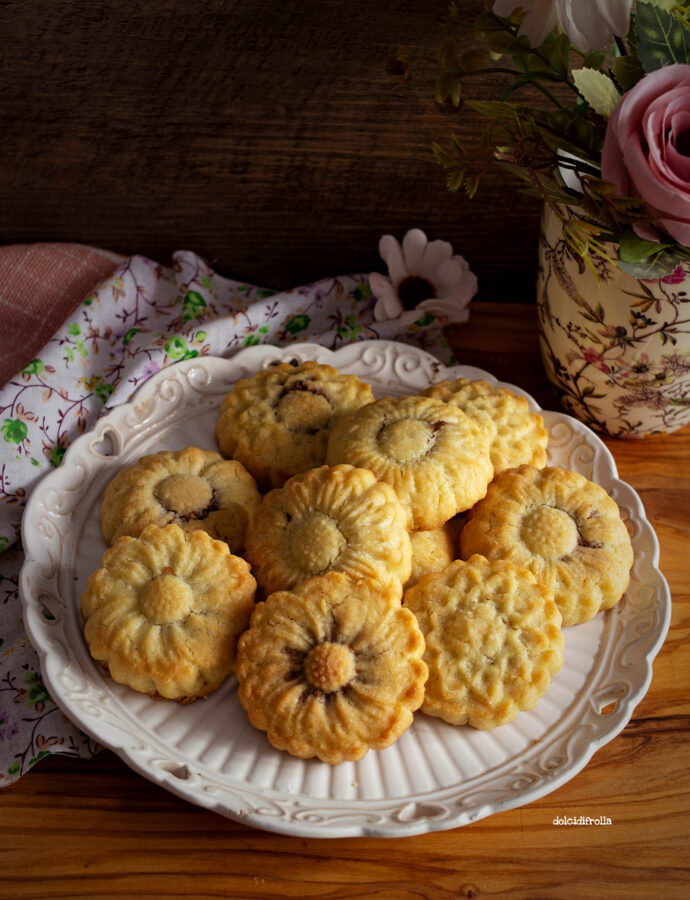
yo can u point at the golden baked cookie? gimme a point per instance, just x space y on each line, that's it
433 455
493 641
277 423
563 528
164 612
195 489
517 435
339 519
433 550
331 669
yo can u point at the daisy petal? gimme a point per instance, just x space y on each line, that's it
449 273
391 253
434 254
413 246
388 306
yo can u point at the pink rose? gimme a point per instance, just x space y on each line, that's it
647 149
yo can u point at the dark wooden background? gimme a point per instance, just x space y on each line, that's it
265 135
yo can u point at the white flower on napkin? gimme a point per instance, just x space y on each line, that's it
424 277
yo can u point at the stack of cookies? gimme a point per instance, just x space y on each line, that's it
353 560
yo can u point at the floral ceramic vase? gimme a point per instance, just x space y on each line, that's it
615 348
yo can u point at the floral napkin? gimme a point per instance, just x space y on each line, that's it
143 317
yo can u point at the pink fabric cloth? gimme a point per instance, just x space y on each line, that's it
40 285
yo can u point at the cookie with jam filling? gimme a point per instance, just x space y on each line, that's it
517 435
277 422
192 488
332 668
434 457
562 527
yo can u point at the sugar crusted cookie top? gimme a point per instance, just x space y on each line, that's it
563 528
433 455
330 518
164 611
493 640
277 422
192 488
517 435
331 669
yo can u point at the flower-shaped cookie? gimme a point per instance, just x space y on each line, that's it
164 612
277 423
493 640
433 455
195 489
339 519
331 669
563 528
517 435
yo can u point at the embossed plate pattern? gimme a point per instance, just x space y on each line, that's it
435 776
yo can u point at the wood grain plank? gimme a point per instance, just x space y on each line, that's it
133 836
266 136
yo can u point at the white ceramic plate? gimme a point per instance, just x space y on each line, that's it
435 776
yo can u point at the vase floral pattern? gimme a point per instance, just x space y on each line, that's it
615 348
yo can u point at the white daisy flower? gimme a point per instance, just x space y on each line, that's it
589 25
424 277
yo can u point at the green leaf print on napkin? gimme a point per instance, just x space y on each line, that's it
14 431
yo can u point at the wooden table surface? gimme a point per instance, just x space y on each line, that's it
92 829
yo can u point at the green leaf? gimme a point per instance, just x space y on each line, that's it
657 265
176 347
627 71
448 85
35 367
14 431
595 59
193 306
648 259
55 455
129 335
15 768
40 755
662 38
103 391
361 293
297 323
597 89
633 249
74 328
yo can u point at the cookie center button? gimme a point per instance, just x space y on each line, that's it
166 599
549 532
304 410
329 667
185 495
315 542
406 440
